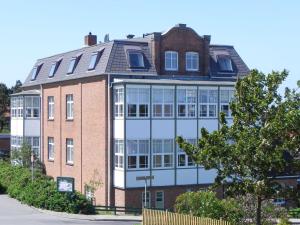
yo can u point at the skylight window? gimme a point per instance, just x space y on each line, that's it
136 60
54 67
95 57
224 63
73 63
36 71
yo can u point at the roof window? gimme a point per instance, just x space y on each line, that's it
36 71
136 59
54 67
73 63
95 57
225 63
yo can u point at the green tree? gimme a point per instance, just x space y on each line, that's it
4 104
16 88
262 141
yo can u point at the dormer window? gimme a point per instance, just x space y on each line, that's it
224 63
192 61
73 63
95 57
171 61
36 71
136 59
54 67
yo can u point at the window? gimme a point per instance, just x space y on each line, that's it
136 59
192 61
119 153
70 107
50 148
146 204
138 102
225 98
73 63
138 154
36 71
70 151
208 100
17 107
163 100
95 57
162 153
50 107
54 68
171 60
119 102
159 200
32 106
224 63
186 102
16 142
34 143
183 160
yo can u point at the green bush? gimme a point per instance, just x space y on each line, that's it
294 213
41 192
206 204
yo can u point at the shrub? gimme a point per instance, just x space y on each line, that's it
295 213
41 192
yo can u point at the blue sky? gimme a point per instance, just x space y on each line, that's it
266 34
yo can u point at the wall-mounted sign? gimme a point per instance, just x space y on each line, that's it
65 184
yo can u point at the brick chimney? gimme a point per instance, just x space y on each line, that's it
90 39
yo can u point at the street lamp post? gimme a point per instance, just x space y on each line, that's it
145 178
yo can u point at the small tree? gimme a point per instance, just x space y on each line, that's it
263 140
94 184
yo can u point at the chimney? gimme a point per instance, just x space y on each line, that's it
207 38
181 25
90 39
130 36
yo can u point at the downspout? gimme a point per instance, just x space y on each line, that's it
42 152
109 196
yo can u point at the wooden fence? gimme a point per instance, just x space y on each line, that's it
156 217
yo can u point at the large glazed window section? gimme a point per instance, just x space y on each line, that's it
192 61
32 106
119 153
208 101
34 143
119 102
183 160
17 107
163 102
171 60
137 154
138 102
225 98
186 102
162 153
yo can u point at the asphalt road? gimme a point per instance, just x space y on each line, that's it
14 213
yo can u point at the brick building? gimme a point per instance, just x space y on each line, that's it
114 109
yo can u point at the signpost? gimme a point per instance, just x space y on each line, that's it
145 178
65 184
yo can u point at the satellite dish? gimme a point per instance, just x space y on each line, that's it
106 38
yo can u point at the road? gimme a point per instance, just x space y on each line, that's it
14 213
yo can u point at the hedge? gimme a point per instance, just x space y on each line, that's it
41 192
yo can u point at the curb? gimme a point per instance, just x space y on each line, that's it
91 217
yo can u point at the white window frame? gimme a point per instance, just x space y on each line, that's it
69 106
119 102
148 199
190 107
32 107
160 204
173 57
227 60
119 153
225 101
50 107
162 152
16 142
70 151
210 102
192 61
34 143
17 107
161 100
138 153
136 93
51 148
187 159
